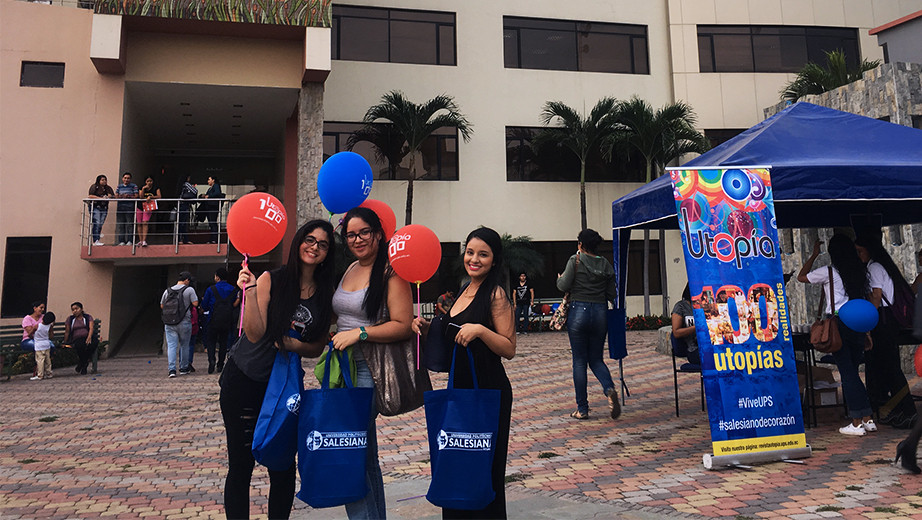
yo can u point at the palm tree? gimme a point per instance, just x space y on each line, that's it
816 79
579 134
660 136
415 123
389 144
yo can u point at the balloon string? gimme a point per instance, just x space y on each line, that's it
418 313
243 297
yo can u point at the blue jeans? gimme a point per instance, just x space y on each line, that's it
587 326
373 505
124 225
521 317
28 345
847 360
176 336
99 218
184 209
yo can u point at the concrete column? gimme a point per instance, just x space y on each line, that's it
310 151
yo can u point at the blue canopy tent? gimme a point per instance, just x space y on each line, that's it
826 165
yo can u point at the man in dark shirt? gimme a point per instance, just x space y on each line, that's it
524 295
124 211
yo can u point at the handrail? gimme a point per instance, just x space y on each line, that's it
183 214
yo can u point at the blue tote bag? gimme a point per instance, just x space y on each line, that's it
463 425
333 440
275 439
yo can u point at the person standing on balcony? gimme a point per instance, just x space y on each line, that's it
212 208
187 190
124 211
99 210
147 193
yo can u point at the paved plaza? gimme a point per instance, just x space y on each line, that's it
130 443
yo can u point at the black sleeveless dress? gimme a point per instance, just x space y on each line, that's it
492 375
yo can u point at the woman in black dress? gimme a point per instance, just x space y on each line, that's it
481 320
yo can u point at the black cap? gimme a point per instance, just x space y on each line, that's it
185 275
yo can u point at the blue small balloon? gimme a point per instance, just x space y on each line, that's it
344 181
858 315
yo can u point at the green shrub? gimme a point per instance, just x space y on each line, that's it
61 357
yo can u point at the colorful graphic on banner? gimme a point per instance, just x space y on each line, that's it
727 221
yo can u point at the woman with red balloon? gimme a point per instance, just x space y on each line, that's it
373 304
286 309
481 320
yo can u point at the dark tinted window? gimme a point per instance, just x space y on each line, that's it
436 160
635 268
25 274
557 163
720 136
742 48
393 35
531 43
41 74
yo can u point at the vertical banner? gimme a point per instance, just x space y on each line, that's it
730 239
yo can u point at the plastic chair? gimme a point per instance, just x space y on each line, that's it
679 348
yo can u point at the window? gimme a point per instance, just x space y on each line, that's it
720 136
393 35
25 274
42 74
635 268
532 43
556 255
744 48
558 163
436 160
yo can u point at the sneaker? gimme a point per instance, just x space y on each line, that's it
121 243
211 368
183 371
869 426
35 378
49 376
220 367
172 373
98 243
613 404
905 421
851 429
191 369
143 243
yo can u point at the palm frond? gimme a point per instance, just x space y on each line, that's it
817 79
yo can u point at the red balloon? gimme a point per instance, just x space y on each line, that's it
385 213
917 358
256 223
415 253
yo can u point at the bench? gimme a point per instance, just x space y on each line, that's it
11 350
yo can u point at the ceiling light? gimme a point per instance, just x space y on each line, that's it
235 135
184 104
238 117
238 106
187 115
190 124
235 126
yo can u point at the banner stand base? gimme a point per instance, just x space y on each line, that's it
744 459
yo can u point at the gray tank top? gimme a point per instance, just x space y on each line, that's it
349 313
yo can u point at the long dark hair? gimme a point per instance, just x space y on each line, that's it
482 304
851 269
286 286
591 240
882 257
100 177
377 283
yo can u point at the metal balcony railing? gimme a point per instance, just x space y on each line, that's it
175 222
80 4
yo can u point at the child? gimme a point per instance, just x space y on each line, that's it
43 336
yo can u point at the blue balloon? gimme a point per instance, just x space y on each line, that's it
344 181
858 315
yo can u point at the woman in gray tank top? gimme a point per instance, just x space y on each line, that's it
373 304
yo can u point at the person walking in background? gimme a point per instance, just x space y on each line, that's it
286 309
78 332
444 302
212 207
147 193
99 190
369 290
124 210
44 334
176 310
886 382
30 324
524 295
590 279
849 280
482 320
220 301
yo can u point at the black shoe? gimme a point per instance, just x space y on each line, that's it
77 369
172 373
890 417
83 370
905 421
191 368
220 367
908 459
211 368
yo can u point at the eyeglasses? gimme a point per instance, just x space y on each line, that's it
364 234
310 241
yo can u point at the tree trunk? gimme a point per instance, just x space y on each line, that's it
409 219
662 271
646 272
582 196
310 151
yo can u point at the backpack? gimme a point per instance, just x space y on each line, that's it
903 307
222 313
174 309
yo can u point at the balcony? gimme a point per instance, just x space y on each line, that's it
303 13
163 237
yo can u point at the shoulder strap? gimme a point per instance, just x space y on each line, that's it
832 291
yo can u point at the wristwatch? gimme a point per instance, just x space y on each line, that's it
363 335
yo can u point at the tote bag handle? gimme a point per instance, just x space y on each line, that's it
451 373
343 362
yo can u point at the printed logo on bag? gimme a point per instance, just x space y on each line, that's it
336 440
293 403
464 441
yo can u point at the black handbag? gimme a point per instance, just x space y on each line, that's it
437 354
